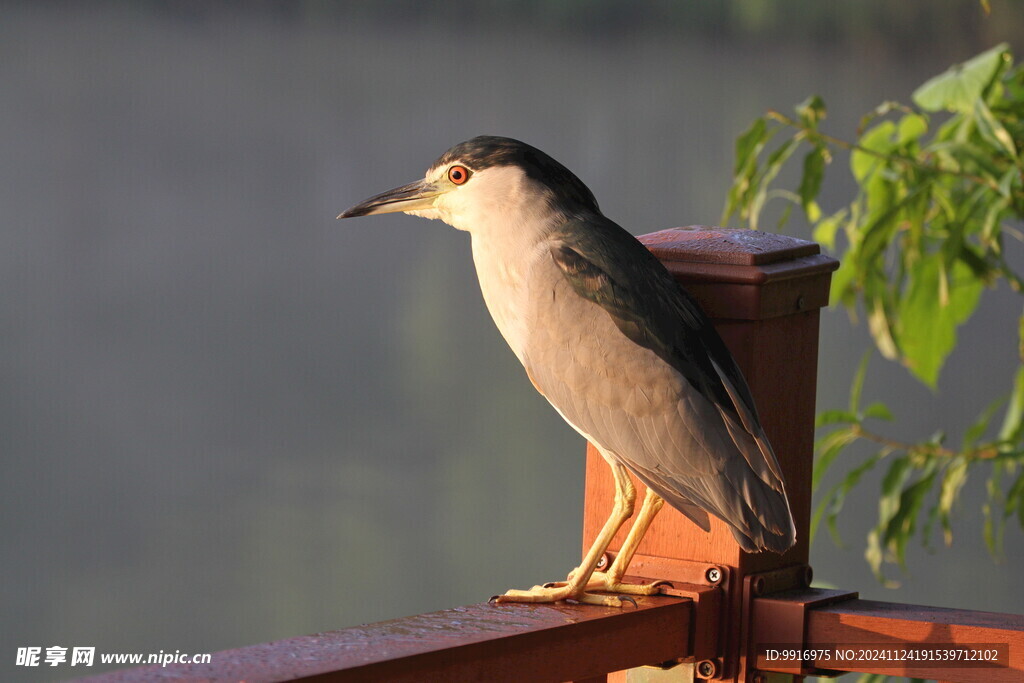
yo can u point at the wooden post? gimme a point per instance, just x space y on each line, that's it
763 293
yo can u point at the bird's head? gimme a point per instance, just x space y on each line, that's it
487 183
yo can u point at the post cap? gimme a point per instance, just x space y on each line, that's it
745 274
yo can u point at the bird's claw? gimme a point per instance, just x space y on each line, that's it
607 583
562 592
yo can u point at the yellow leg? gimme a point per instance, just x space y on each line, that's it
610 580
575 587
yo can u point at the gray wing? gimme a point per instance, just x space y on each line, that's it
633 363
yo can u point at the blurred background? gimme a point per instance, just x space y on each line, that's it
226 418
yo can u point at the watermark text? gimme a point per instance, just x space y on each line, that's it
58 655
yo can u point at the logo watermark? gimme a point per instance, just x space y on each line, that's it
57 655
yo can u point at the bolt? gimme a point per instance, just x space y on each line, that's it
758 585
602 562
706 668
713 575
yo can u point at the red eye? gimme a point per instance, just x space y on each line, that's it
458 174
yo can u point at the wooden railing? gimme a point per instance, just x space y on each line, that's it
724 614
484 642
487 642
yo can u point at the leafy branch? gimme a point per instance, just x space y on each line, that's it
940 190
820 139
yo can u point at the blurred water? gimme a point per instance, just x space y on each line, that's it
226 418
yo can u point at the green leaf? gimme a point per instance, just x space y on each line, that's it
992 530
1011 178
901 526
811 111
874 556
857 385
819 511
878 411
831 417
784 217
988 531
957 88
880 140
746 180
934 304
977 430
929 524
842 289
892 486
992 130
779 156
810 183
771 169
828 447
813 211
881 331
877 234
749 145
991 222
1013 419
825 230
832 504
911 128
957 153
952 481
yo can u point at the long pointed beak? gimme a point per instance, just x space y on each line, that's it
412 197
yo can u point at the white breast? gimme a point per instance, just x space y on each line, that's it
509 222
510 276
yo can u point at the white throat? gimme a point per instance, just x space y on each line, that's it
509 221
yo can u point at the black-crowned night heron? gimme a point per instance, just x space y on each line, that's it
614 344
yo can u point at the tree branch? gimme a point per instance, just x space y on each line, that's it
853 147
983 452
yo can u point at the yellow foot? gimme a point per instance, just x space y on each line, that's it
605 582
561 591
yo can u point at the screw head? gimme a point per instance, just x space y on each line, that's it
713 575
706 668
602 561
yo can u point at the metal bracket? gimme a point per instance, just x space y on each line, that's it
754 587
673 569
775 609
705 585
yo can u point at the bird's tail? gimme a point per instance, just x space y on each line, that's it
759 514
771 528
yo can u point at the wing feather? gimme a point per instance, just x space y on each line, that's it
652 383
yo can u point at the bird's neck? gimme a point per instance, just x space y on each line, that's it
507 268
